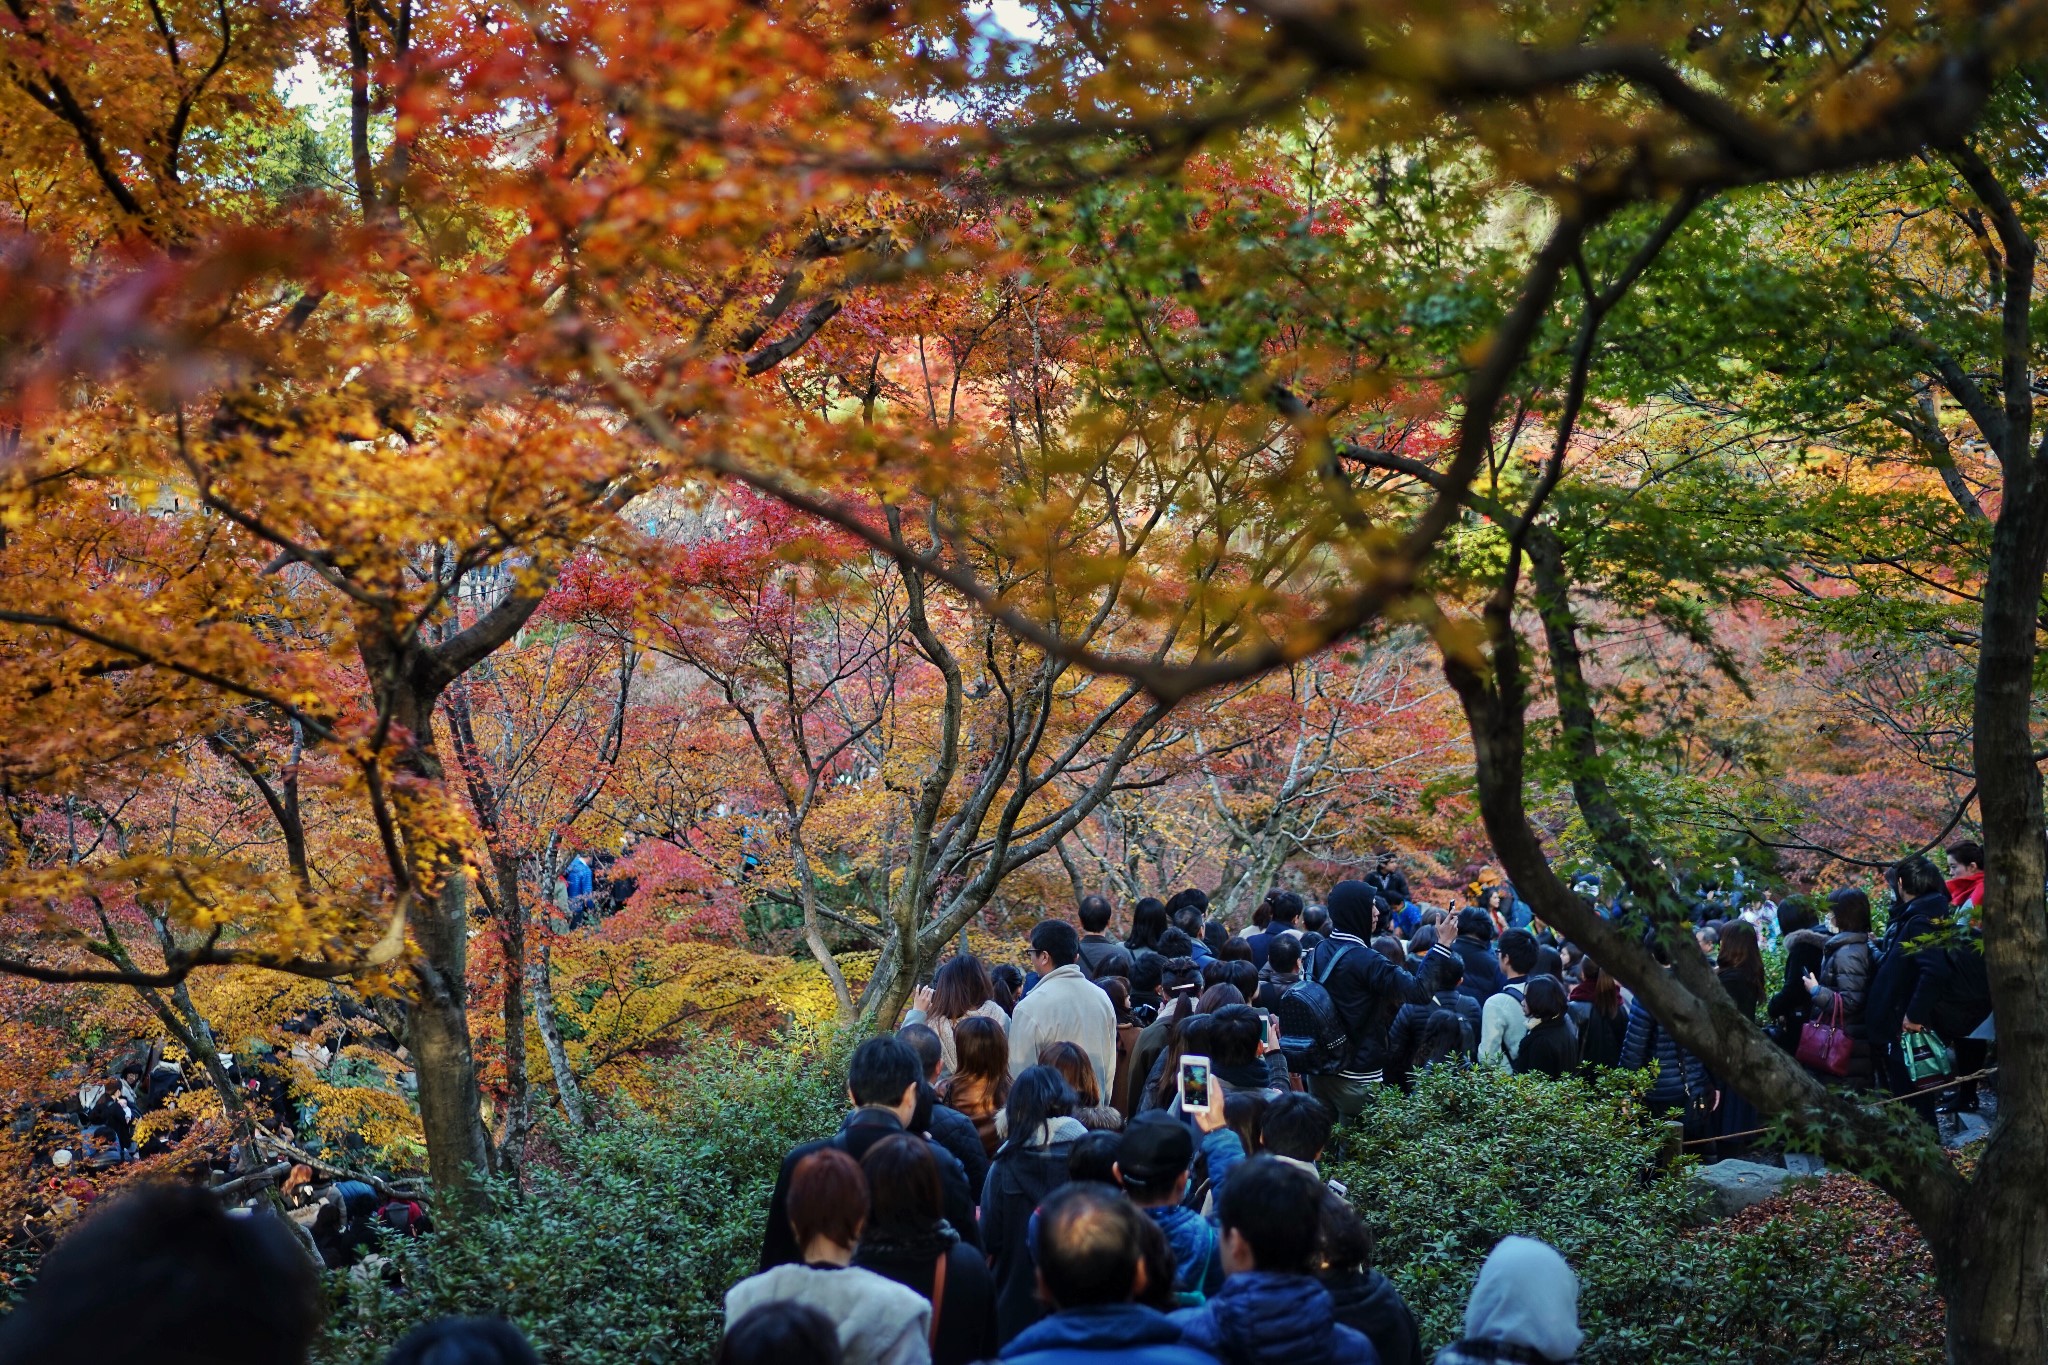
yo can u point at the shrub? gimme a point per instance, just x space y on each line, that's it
622 1244
1471 1157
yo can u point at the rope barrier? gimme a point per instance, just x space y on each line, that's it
1889 1099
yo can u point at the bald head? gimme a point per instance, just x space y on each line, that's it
1089 1247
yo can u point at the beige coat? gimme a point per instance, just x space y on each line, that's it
1065 1007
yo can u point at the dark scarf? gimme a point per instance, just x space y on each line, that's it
926 1243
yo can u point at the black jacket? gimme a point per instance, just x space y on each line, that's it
1411 1022
1273 985
1367 990
967 1312
1791 1006
862 1129
1962 988
1367 1302
1103 956
1600 1038
955 1132
1903 986
1483 976
1018 1183
1550 1049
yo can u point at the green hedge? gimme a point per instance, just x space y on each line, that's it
623 1244
1469 1158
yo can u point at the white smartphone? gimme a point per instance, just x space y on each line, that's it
1194 1082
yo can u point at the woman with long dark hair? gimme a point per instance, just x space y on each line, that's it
1030 1165
980 1086
1601 1016
961 989
1148 925
1740 966
1840 986
1072 1063
908 1240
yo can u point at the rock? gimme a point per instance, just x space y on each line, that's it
1732 1186
1798 1163
1969 1128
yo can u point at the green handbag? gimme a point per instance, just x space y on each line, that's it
1927 1057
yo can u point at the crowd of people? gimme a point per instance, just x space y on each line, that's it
1025 1175
1117 1155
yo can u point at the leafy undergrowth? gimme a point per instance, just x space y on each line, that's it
1860 1226
1821 1276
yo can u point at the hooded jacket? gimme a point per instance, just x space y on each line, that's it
1263 1318
879 1321
1367 1302
1122 1333
1273 985
860 1130
1018 1182
1526 1300
1366 989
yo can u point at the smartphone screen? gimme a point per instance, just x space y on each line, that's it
1194 1082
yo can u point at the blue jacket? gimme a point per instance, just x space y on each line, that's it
1679 1073
1261 1318
1126 1333
1196 1245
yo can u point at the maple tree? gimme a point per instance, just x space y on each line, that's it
1181 343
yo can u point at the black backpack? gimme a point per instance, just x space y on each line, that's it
1311 1031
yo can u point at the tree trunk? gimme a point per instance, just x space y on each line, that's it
451 1114
1992 1263
512 938
567 1089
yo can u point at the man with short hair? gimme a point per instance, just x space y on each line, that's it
1502 1023
1065 1007
1091 1269
1152 1166
1474 947
1295 1129
1101 955
1271 1309
882 1082
1282 969
1187 910
1315 927
1283 909
933 1119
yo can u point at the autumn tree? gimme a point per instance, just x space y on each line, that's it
364 398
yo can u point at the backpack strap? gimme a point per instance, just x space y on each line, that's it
1324 966
938 1295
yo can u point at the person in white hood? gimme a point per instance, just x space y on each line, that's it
1523 1310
